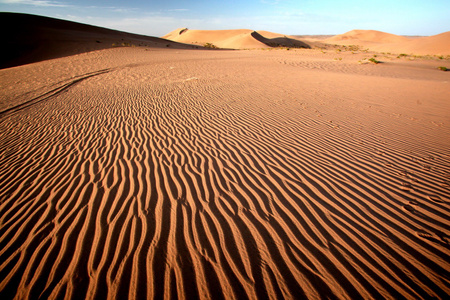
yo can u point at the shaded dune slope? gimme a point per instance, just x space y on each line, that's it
30 38
279 41
151 176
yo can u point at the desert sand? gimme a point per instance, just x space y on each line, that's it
161 173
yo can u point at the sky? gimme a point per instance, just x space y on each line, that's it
157 18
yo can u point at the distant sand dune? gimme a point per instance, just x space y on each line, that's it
436 44
368 36
164 174
386 42
234 39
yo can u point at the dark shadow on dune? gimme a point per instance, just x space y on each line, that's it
30 38
280 42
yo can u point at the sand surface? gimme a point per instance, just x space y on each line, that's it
144 173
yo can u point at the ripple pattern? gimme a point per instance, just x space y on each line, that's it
161 187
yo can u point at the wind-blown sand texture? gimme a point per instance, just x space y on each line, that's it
128 173
386 42
160 173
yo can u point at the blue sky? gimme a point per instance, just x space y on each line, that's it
156 18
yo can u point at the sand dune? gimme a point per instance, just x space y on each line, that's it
434 45
30 38
162 174
234 39
386 42
240 38
373 36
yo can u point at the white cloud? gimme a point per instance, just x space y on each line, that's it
123 10
150 24
41 3
178 9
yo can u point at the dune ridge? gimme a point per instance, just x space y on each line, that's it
159 178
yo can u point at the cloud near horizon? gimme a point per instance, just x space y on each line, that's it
41 3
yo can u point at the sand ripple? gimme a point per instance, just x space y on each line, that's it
141 182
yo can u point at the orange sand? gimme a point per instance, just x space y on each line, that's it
164 173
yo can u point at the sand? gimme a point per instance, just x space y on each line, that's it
385 42
139 172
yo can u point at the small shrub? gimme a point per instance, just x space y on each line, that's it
123 44
373 60
210 46
443 69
